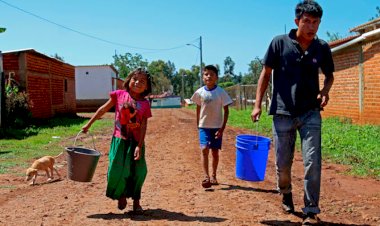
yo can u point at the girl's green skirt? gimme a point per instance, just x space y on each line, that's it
125 176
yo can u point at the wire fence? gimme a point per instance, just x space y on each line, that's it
244 96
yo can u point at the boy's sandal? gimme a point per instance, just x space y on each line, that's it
206 183
213 180
122 203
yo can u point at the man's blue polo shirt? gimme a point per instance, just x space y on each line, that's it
296 73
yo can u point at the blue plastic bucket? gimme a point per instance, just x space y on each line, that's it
251 157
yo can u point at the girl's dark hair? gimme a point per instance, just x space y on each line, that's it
212 68
310 7
139 70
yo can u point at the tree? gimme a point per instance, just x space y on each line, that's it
377 14
333 36
127 63
247 79
188 78
229 66
2 29
162 73
191 80
254 70
56 56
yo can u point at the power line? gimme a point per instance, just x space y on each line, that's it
88 35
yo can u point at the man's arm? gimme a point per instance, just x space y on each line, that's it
324 93
261 87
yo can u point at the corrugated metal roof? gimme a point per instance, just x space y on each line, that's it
367 37
373 23
342 41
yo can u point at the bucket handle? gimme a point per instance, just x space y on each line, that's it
93 142
256 146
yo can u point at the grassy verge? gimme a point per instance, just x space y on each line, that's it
17 146
342 142
357 146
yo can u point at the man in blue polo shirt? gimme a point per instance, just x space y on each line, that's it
295 60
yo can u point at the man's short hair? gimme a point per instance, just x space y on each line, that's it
310 7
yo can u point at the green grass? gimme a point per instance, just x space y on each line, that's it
357 146
342 142
18 146
354 145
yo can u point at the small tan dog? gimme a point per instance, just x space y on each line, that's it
45 163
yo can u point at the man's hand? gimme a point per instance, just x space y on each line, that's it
255 115
324 98
85 128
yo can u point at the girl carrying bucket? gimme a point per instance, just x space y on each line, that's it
127 167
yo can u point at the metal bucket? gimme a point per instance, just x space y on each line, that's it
81 162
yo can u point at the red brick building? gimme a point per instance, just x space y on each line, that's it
50 83
356 90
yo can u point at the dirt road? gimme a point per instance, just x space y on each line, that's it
172 194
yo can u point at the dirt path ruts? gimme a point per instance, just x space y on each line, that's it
172 194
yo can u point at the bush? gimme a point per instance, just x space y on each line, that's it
225 84
16 108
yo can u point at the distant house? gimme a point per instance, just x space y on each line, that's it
165 100
49 82
356 90
93 84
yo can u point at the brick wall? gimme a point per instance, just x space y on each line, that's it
10 64
38 90
345 93
371 111
50 83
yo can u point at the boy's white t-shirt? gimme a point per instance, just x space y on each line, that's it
212 103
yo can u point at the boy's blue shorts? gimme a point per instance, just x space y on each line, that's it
207 138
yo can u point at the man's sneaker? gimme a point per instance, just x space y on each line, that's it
287 203
311 219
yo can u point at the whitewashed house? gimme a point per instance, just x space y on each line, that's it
166 102
93 84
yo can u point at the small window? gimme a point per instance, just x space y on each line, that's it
65 85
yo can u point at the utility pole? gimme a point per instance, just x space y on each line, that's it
183 88
2 92
2 87
200 66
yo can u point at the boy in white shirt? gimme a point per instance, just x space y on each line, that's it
211 101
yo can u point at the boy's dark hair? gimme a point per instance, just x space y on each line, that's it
310 7
139 71
212 68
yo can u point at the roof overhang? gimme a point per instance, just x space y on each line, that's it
362 39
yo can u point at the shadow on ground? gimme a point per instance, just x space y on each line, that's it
289 223
238 187
158 214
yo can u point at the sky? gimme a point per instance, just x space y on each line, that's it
91 32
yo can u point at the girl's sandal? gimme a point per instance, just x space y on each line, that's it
206 182
213 180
